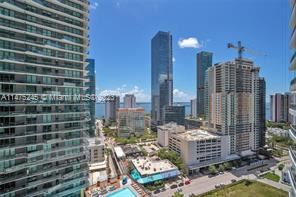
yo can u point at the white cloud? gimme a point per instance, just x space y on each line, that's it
180 96
139 93
190 42
94 5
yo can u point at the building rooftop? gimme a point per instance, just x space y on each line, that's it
95 141
139 109
172 126
119 152
148 166
130 149
197 134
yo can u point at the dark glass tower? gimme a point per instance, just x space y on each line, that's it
91 84
161 75
203 62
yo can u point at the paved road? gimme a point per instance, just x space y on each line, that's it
203 184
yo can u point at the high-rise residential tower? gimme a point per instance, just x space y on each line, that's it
129 101
292 110
91 75
279 107
161 75
112 103
43 51
235 104
203 62
193 107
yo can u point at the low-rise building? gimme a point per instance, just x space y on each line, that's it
193 123
148 170
96 150
199 148
130 121
164 131
278 132
173 114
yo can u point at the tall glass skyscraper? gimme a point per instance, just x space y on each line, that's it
43 50
203 62
292 110
161 75
91 74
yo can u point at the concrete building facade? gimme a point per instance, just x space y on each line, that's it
199 148
235 104
193 108
279 107
164 132
112 103
130 121
129 101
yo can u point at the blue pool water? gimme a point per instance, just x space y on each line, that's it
155 177
125 192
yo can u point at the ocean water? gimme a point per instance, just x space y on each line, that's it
100 108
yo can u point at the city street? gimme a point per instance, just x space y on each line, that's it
203 184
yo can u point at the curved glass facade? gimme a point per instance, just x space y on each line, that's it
43 50
292 110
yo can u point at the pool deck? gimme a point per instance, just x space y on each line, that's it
127 186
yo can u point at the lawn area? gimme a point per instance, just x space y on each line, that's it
271 176
246 189
147 135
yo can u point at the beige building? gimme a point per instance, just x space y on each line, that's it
130 121
96 150
199 148
235 104
164 132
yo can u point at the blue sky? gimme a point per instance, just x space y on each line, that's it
121 30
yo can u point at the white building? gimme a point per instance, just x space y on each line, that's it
96 150
193 107
129 101
199 148
151 169
163 132
130 121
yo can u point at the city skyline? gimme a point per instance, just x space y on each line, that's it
199 35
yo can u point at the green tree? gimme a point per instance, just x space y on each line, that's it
227 166
281 166
212 169
178 194
221 168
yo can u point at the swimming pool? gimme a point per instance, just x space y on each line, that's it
125 192
152 178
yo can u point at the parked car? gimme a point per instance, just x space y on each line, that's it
233 180
174 186
217 186
181 184
157 191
